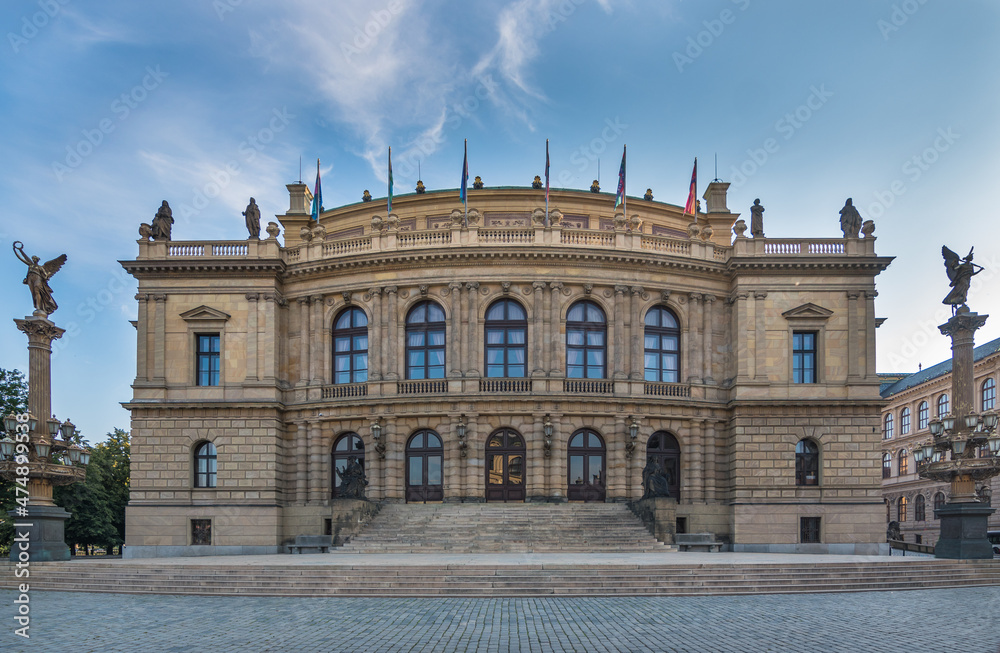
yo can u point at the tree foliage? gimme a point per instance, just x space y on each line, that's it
13 399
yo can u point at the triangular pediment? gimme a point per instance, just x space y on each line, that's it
202 313
807 312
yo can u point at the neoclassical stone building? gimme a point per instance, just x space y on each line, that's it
506 357
911 403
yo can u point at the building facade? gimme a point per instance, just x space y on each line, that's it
505 355
911 403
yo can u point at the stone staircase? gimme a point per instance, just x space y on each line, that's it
505 528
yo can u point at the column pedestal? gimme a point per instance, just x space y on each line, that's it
45 528
963 532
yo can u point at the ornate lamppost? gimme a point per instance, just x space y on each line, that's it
964 446
32 456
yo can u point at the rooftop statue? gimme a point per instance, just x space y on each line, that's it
162 222
37 279
757 219
252 215
850 220
960 273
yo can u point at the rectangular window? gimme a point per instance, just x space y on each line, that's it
804 357
207 358
201 532
809 530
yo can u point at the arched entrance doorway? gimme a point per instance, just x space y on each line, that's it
424 467
586 468
663 448
505 466
347 446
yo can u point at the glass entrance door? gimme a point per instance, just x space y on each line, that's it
586 467
505 466
424 468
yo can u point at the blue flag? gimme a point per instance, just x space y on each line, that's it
463 193
317 206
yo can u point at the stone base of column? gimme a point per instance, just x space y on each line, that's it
45 529
963 532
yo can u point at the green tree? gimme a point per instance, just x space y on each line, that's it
13 399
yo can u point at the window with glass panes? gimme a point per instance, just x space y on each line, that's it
205 465
923 415
904 421
207 358
350 347
804 357
989 394
506 340
425 342
586 338
943 406
904 462
887 431
662 346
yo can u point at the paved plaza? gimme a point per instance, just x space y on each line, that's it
928 620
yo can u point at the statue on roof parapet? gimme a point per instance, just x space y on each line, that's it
850 220
757 219
162 222
252 214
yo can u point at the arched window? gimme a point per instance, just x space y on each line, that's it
425 329
919 508
663 448
887 465
943 406
901 510
424 467
938 501
347 446
586 467
989 394
904 421
887 432
662 346
806 463
904 463
205 465
350 346
506 340
586 331
923 415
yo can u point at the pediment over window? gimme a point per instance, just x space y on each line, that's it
204 314
807 312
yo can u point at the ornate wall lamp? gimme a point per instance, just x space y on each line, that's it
547 430
633 433
376 428
463 446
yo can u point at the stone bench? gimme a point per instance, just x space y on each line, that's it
697 542
310 543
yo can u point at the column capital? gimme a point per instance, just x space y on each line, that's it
39 330
302 301
760 294
556 286
538 285
710 299
159 297
390 290
252 296
472 285
694 297
637 290
621 290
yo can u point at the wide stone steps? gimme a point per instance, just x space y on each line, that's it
504 528
323 579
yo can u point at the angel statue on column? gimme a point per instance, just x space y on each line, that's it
37 279
960 273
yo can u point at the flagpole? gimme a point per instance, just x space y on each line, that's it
546 222
465 182
388 203
625 185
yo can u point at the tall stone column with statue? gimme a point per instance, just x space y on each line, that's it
965 447
32 455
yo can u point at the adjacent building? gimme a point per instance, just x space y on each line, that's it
501 354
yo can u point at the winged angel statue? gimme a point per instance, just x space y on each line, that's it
37 279
960 272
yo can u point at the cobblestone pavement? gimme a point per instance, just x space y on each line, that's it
927 620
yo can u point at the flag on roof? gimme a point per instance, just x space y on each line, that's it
389 203
317 206
692 205
463 194
620 197
546 175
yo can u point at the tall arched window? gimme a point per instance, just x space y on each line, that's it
887 465
664 449
943 406
938 501
901 510
586 341
904 462
350 346
425 338
904 421
662 346
806 463
919 508
506 340
989 394
923 415
347 446
205 465
887 432
586 468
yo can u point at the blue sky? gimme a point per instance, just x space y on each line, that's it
109 107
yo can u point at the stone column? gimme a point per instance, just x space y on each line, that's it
535 459
618 349
393 361
537 290
454 338
318 346
315 482
41 332
557 343
710 449
473 337
376 342
252 335
271 347
616 482
395 459
636 367
142 337
694 345
304 337
301 462
855 336
696 479
708 345
159 339
870 371
760 339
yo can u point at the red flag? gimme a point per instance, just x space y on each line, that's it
620 195
691 205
